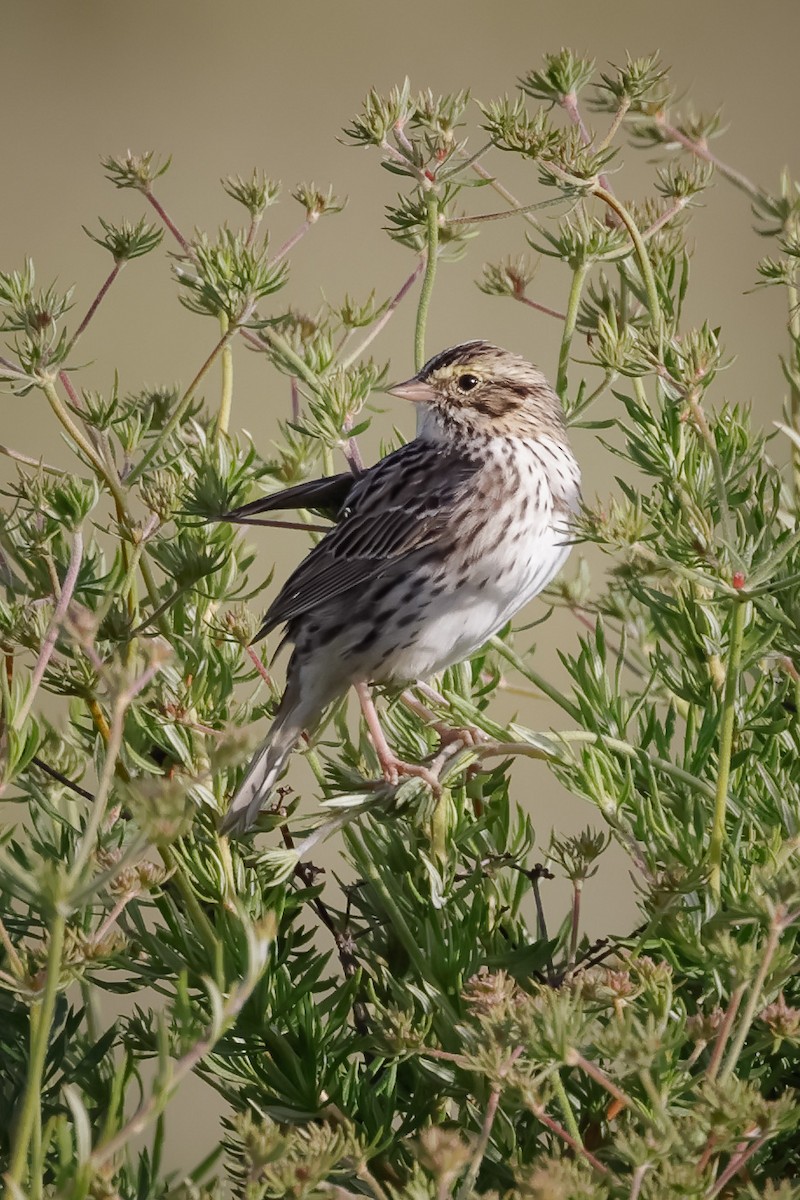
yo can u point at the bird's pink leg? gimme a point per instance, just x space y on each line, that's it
392 766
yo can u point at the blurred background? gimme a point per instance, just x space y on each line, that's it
225 88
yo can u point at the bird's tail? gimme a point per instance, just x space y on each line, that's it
266 767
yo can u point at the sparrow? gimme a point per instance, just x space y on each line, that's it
435 548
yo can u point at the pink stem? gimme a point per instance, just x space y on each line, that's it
48 645
93 307
291 242
542 308
386 315
171 226
570 105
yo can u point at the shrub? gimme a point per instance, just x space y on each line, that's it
416 1034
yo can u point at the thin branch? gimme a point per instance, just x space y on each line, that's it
62 779
776 928
575 1059
48 645
271 523
725 1031
380 324
468 1182
717 841
431 251
589 737
41 1021
291 242
7 366
645 266
541 1115
508 196
570 321
517 210
743 1154
542 308
700 149
569 103
183 404
171 226
87 844
255 659
93 307
28 461
226 397
613 128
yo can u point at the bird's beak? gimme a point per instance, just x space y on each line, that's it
413 389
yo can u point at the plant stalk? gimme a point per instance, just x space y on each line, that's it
645 266
432 229
226 399
726 744
573 303
41 1021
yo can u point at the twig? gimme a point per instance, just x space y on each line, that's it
171 226
588 737
570 321
717 840
541 1115
508 196
575 1059
48 645
93 307
12 369
467 1183
517 211
41 1021
645 266
122 701
177 416
291 242
380 324
226 397
259 666
725 1031
637 1179
432 245
542 308
276 523
777 925
744 1152
62 779
569 102
28 461
700 149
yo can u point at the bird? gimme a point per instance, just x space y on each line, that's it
435 548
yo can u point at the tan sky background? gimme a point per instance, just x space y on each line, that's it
225 87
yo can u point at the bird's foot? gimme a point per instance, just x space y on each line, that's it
465 735
394 769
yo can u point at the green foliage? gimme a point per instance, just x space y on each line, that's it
419 1030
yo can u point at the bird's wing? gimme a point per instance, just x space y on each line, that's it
400 506
328 495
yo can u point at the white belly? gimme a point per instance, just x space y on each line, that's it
458 623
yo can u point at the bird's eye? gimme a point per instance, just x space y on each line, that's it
466 383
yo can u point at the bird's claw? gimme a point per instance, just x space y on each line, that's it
395 769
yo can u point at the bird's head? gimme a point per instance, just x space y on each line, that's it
477 388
